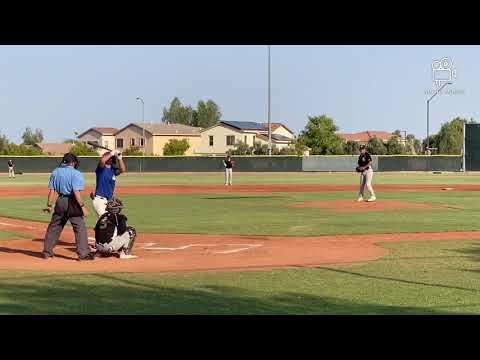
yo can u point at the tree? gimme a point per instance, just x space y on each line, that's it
376 146
176 147
31 138
133 151
351 147
241 148
260 149
450 137
394 146
82 149
3 143
178 113
320 135
207 114
432 142
412 145
299 145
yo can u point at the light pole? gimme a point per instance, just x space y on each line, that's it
428 112
269 127
143 130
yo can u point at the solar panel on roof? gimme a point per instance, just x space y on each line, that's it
245 125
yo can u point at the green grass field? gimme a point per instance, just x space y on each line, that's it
415 278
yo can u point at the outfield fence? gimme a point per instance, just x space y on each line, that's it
333 163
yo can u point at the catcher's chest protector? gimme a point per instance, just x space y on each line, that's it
106 225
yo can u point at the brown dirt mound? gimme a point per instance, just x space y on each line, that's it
221 189
352 206
182 252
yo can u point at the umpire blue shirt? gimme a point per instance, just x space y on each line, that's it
106 180
65 180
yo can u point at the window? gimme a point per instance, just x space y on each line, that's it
106 144
142 142
253 139
245 139
210 140
132 142
230 140
120 143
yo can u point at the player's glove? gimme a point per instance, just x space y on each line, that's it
359 169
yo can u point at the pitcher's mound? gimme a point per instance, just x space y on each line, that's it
350 206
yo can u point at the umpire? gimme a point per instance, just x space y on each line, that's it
67 182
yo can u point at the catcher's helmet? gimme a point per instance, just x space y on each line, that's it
114 206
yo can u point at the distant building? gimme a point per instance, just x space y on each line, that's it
156 136
104 136
53 149
222 137
364 136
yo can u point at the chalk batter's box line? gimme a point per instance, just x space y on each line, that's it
151 247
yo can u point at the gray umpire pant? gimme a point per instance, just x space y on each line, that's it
58 222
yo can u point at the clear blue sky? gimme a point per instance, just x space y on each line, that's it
62 89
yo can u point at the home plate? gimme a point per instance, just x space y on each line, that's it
125 256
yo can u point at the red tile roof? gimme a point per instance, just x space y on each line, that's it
364 136
54 149
275 126
106 130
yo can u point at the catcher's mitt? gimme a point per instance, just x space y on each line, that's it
358 169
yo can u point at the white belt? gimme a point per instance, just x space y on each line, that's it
101 197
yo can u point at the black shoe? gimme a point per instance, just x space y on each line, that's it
46 256
90 256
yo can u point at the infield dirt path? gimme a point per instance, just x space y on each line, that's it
221 189
187 252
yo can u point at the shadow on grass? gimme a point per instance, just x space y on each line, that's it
110 294
403 281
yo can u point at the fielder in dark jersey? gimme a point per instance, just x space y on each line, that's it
228 163
365 164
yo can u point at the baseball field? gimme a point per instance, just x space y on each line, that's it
273 243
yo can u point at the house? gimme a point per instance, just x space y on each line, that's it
222 137
104 136
151 138
53 149
364 136
279 129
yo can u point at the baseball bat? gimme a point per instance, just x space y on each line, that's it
95 145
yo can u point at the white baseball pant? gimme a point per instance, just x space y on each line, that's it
228 176
99 205
366 181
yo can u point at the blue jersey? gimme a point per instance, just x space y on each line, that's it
65 180
106 179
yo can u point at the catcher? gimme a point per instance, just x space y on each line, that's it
112 235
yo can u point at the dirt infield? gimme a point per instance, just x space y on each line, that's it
221 189
352 206
182 252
